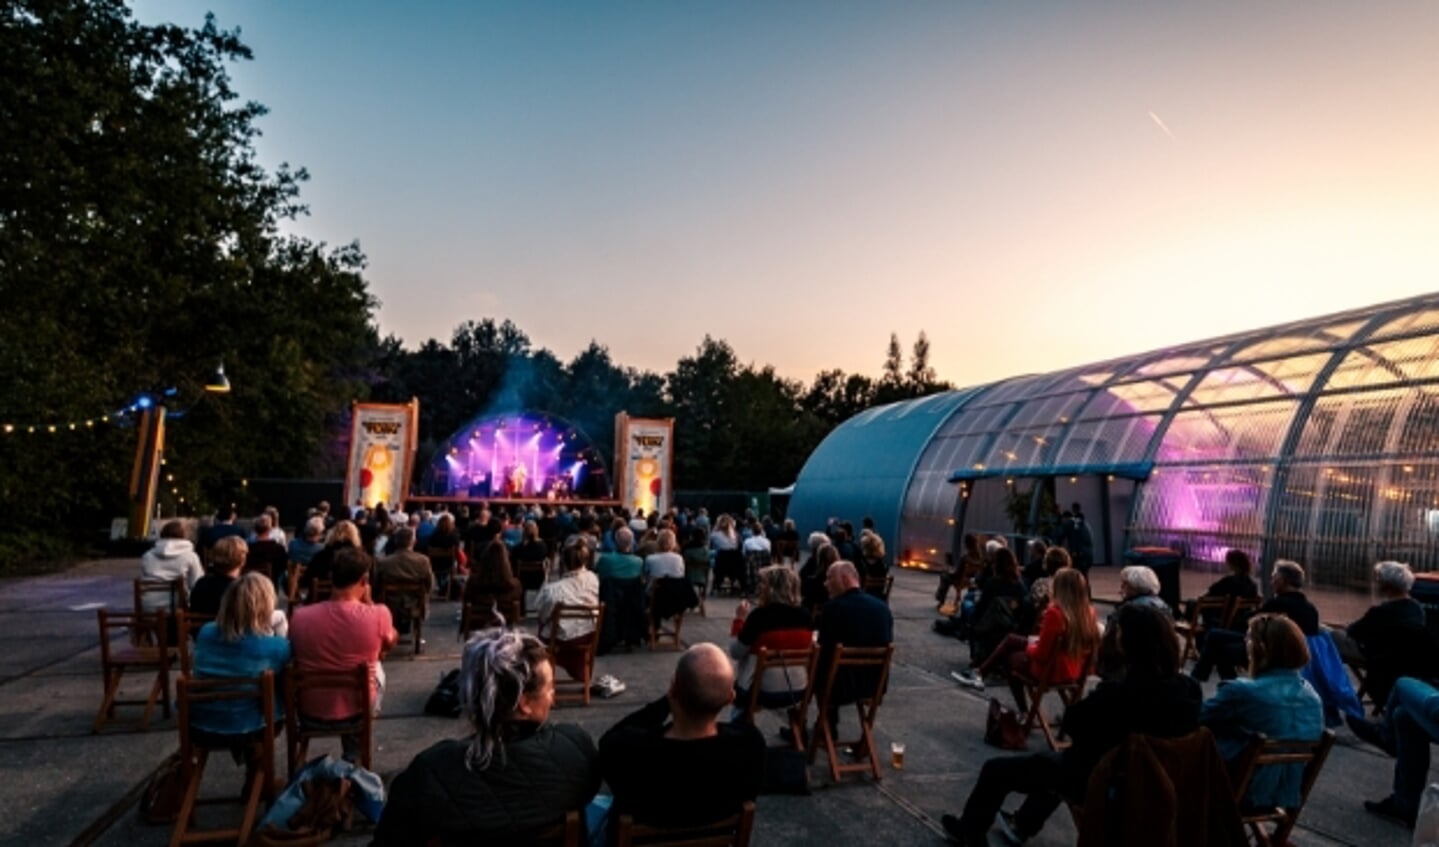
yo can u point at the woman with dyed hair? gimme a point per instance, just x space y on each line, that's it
514 776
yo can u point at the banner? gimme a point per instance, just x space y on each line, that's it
382 452
644 454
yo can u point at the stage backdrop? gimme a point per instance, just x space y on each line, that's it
644 455
382 451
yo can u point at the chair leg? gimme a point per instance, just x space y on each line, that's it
256 788
419 630
107 705
866 738
196 770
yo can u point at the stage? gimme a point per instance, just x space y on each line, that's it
422 501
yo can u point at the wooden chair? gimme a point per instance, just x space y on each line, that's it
408 594
879 586
293 574
1262 753
195 753
875 660
731 832
786 552
481 614
574 690
1241 605
445 561
114 662
175 596
1203 609
698 573
187 627
657 631
320 591
532 575
1069 694
766 659
299 732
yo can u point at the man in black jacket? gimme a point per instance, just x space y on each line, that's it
854 619
672 763
1391 640
1224 649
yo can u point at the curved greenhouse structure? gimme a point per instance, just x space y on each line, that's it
1316 441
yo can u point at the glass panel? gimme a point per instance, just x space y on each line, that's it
1151 396
1018 388
1410 322
1383 364
1176 364
983 419
1108 442
1204 511
1233 432
1296 372
929 506
1236 383
1419 429
1048 410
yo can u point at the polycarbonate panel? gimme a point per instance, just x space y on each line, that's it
1106 442
1385 364
1296 374
1034 447
1204 511
1149 396
1177 364
1418 430
986 507
1413 321
1251 431
1016 389
1049 410
1227 385
977 420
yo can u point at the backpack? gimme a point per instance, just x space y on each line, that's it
444 701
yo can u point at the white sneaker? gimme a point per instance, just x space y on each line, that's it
968 679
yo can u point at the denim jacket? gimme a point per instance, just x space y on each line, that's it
1278 703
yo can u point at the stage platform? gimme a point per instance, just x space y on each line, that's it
507 502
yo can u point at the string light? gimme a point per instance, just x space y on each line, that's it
76 425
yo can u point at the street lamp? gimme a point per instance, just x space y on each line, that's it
145 476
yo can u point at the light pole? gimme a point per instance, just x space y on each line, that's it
145 476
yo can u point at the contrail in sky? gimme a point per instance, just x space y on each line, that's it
1159 123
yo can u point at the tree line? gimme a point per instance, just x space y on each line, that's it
142 244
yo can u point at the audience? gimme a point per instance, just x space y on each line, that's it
1068 636
240 642
173 557
531 548
1410 725
339 634
267 553
1153 698
872 563
1223 649
778 623
1275 700
344 535
492 580
621 575
672 763
577 585
223 527
227 559
515 776
665 562
308 543
854 619
405 565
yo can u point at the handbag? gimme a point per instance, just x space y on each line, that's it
164 793
1002 729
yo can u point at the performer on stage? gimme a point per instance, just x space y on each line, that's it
517 481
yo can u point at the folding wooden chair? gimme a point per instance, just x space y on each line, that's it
657 631
445 562
697 571
300 730
169 594
187 628
195 753
792 661
1204 609
1262 753
731 832
532 575
151 657
408 594
1241 606
855 661
484 612
574 690
1069 694
320 591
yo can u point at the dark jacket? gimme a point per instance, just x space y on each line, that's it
1395 642
854 619
546 772
1167 708
673 782
1295 606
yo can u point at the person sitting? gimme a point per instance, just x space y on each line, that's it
672 763
778 623
622 587
664 562
1034 559
1152 698
758 553
531 548
1068 636
958 576
670 592
516 775
1409 726
1223 649
1056 559
872 564
492 580
339 634
1275 700
223 527
998 611
266 553
854 619
344 535
240 642
1238 583
695 551
728 560
408 566
172 558
227 559
812 589
577 585
307 543
1390 640
450 566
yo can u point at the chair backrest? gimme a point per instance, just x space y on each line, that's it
298 682
190 692
320 590
731 832
1263 752
564 612
766 659
153 625
404 589
483 612
868 668
187 629
879 586
170 593
442 559
1245 606
1210 608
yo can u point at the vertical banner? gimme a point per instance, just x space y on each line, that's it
644 452
382 452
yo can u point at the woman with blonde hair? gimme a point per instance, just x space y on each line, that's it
872 563
1068 637
240 642
777 623
343 535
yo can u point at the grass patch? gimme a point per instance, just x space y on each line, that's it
36 553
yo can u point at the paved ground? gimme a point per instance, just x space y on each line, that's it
66 786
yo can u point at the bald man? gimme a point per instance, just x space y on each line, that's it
854 619
672 763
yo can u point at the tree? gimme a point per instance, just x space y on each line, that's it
139 247
921 375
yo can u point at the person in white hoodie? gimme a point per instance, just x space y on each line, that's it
173 557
